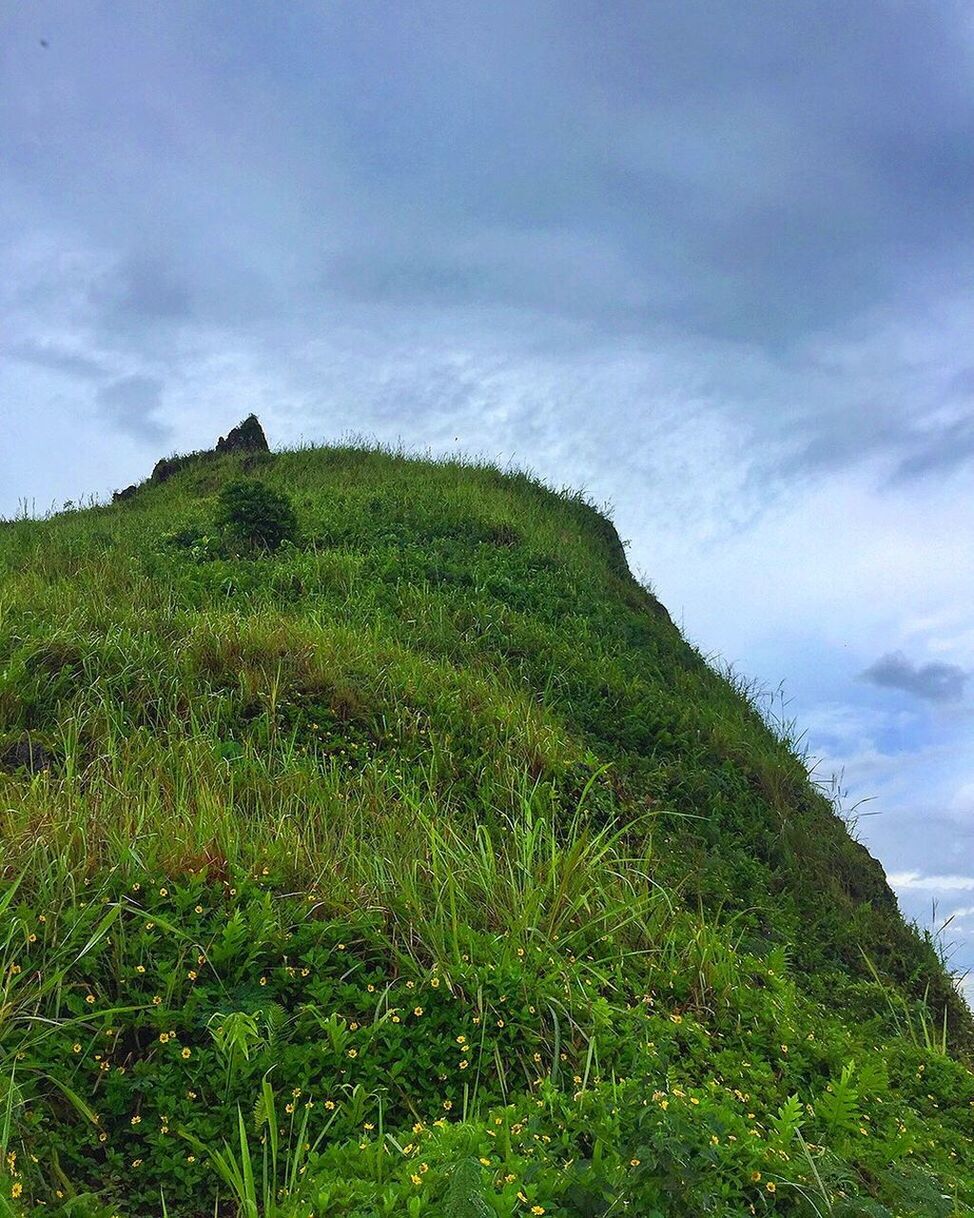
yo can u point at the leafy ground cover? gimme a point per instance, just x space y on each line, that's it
398 856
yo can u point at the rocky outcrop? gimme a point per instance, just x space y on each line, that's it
26 753
247 437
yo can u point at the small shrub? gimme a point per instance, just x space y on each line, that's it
255 515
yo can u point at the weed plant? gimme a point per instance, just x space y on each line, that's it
401 857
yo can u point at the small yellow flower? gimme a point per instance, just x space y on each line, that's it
329 1104
417 1180
186 1053
191 974
537 1209
199 909
16 1189
770 1186
140 968
163 1038
156 1000
353 1053
136 1120
486 1162
755 1176
633 1162
164 892
76 1048
435 982
263 981
418 1011
90 998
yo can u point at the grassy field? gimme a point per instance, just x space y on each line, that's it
418 866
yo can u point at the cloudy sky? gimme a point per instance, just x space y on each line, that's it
712 262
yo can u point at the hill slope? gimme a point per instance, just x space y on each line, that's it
428 834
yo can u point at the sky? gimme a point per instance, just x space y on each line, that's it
712 263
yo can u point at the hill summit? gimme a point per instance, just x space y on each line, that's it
374 843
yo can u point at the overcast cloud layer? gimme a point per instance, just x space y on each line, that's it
712 262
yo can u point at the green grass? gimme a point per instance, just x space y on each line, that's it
420 867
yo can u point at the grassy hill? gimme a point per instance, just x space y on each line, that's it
418 866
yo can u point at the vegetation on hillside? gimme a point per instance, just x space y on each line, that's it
373 843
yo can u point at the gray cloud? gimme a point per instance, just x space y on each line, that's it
142 290
948 449
131 403
745 181
934 681
55 358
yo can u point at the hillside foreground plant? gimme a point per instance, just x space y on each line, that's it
420 867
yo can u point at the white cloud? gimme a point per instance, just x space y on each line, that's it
915 880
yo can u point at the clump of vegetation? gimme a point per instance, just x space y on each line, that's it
427 871
254 514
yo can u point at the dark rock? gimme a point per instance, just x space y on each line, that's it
865 880
166 467
659 609
26 754
246 437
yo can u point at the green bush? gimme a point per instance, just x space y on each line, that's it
251 513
